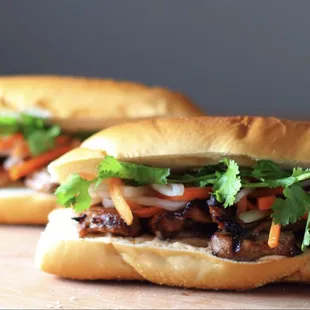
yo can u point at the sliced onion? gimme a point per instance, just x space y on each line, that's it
131 191
169 189
127 191
253 215
108 203
162 203
39 180
243 192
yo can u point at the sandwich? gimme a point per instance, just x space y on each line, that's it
201 202
43 117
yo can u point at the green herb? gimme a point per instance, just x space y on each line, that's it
112 168
39 136
74 193
280 179
8 125
266 169
290 210
228 183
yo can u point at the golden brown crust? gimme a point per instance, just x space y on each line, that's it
25 206
198 141
105 102
62 253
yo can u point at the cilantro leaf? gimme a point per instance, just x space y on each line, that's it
306 240
40 141
74 193
291 209
110 167
228 183
39 136
8 125
267 169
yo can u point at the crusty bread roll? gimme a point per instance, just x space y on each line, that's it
79 104
61 252
89 103
191 142
25 206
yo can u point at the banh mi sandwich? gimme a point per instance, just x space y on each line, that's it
205 202
43 117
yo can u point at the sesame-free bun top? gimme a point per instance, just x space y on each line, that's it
192 142
89 103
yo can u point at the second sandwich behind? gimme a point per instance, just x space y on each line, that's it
43 117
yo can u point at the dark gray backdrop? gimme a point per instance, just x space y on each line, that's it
232 57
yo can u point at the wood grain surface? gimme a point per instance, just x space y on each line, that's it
22 286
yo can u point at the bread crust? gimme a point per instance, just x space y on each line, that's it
25 206
82 99
61 252
192 142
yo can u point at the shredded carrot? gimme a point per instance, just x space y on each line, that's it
6 143
27 167
263 192
265 203
20 149
119 202
274 235
242 205
190 193
148 212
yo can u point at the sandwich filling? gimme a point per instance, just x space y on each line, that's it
246 212
27 145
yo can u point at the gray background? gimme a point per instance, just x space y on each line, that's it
232 57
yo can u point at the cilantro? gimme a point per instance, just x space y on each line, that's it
74 193
291 209
266 169
8 125
283 179
42 140
110 167
228 183
201 177
306 241
39 136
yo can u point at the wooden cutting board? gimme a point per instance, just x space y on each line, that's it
22 286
